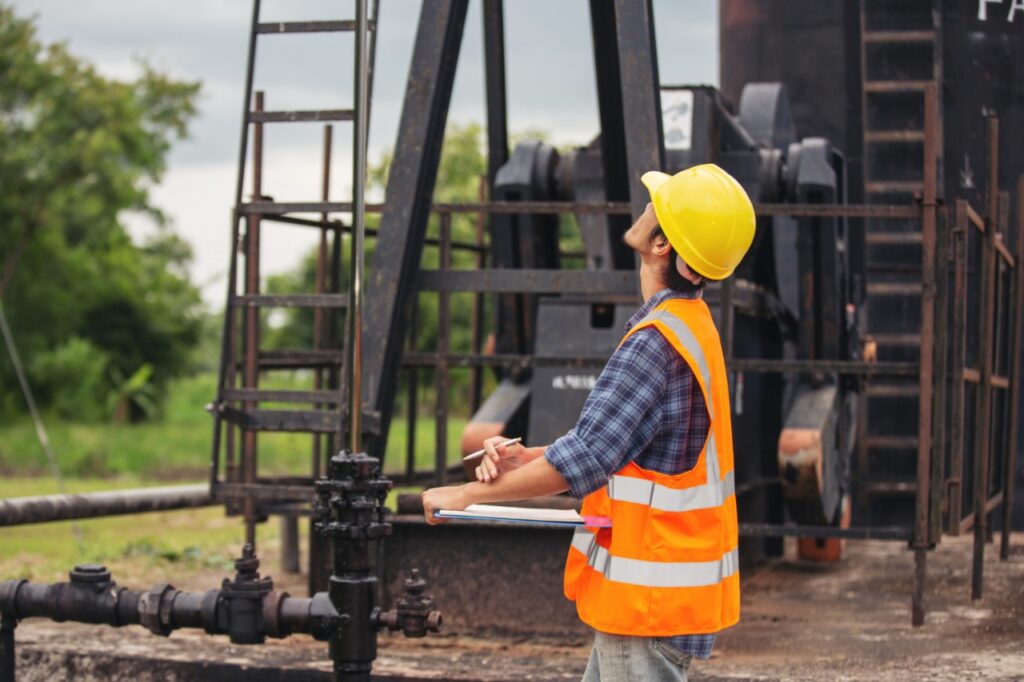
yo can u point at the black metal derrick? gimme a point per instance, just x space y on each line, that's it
520 227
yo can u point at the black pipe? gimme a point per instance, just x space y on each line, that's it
45 508
247 608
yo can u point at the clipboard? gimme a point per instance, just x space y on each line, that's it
550 517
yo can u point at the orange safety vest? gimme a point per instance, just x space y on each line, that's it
669 564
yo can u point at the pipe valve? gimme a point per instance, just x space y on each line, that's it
415 614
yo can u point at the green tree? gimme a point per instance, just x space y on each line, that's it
78 151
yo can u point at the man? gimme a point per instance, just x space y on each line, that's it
652 449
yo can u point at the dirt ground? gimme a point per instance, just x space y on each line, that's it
801 621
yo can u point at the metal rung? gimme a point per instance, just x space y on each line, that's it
620 283
897 339
300 421
295 421
887 186
307 26
896 86
875 136
891 488
894 288
893 237
301 359
290 301
892 442
892 391
899 36
894 268
303 116
282 396
262 491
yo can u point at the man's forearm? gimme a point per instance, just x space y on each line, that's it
533 479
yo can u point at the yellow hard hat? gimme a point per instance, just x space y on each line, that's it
706 215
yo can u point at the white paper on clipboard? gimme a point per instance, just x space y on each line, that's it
491 512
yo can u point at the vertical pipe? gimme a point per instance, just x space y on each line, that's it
1010 473
920 575
333 332
727 317
443 332
925 454
290 544
477 376
941 381
8 659
982 443
411 403
355 315
320 286
956 435
927 358
250 377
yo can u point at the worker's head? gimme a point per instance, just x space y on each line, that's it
697 227
659 262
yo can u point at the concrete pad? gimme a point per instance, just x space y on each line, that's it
801 621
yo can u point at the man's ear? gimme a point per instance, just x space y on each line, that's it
660 245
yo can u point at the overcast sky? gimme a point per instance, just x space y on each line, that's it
550 82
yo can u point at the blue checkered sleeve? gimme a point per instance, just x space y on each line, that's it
620 418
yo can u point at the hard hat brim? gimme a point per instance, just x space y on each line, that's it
653 180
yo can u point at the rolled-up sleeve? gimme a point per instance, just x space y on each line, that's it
621 416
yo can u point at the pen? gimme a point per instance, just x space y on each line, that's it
479 453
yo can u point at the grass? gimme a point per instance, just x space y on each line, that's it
191 548
177 446
146 547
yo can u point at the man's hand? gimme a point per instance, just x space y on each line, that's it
453 498
499 458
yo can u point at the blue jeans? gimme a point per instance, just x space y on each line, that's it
619 658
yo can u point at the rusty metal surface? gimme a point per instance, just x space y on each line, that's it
492 579
45 508
1010 472
983 435
926 357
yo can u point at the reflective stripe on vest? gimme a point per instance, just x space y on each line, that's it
660 497
688 341
653 573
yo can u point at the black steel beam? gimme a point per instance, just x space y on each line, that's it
390 287
613 208
613 132
859 533
641 94
620 283
766 366
494 83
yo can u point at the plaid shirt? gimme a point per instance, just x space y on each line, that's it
646 406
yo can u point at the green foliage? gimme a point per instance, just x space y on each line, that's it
72 378
78 152
133 397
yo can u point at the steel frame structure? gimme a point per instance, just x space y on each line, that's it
402 237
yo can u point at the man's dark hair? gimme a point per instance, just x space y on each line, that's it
673 278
